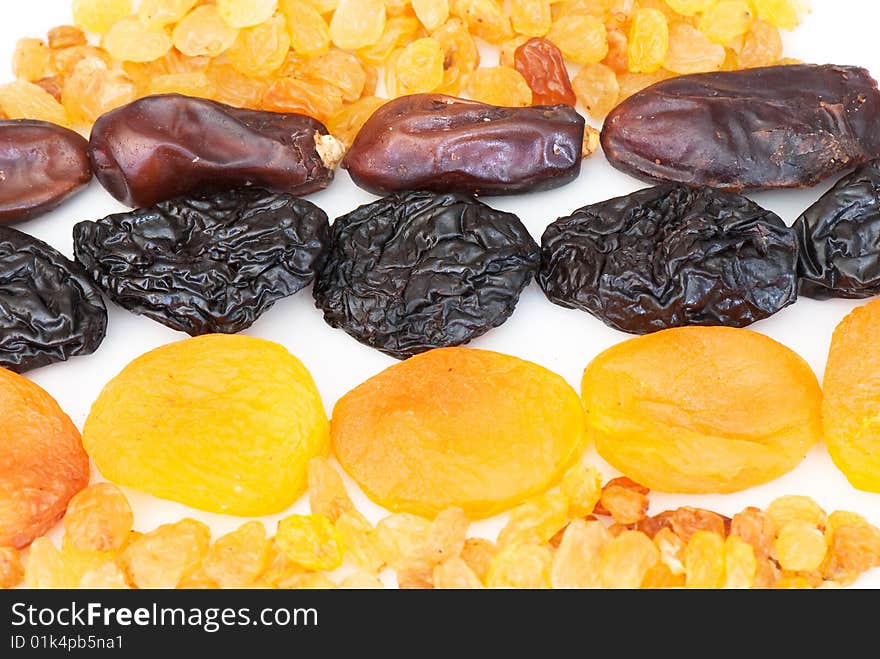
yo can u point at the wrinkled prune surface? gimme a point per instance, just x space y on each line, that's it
773 127
446 144
42 165
422 270
206 264
49 309
839 239
671 256
165 146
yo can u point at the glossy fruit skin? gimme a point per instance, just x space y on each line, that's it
223 423
43 164
42 461
169 145
422 270
542 65
838 239
446 144
50 310
670 256
772 127
702 409
211 263
458 427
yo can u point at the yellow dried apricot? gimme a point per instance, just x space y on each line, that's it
458 427
851 407
224 423
702 409
42 462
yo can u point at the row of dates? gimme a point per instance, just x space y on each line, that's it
418 270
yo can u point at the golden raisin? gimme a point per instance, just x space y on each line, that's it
401 538
460 55
419 67
327 494
361 581
740 565
648 41
756 528
485 19
190 84
25 100
520 566
726 20
478 553
341 69
99 15
625 505
129 40
691 51
446 536
32 59
310 541
799 546
454 573
597 88
260 50
161 13
671 548
431 13
530 17
582 485
345 124
626 560
11 568
65 36
315 98
399 30
359 541
92 89
794 508
160 558
98 518
203 32
704 560
581 38
577 560
500 85
535 521
238 558
781 13
309 32
246 13
357 23
689 7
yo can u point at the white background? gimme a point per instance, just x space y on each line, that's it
840 32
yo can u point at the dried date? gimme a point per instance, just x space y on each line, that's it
839 239
209 263
49 309
671 256
445 144
422 270
166 146
41 165
773 127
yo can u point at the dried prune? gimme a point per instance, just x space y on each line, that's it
49 309
670 256
441 143
169 145
42 164
772 127
421 270
839 239
209 263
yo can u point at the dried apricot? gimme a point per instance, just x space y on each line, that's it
42 462
225 423
851 407
702 409
458 427
11 568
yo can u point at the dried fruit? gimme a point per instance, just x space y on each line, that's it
454 573
460 55
161 558
850 407
780 126
43 164
65 36
747 412
582 38
347 123
357 23
160 147
520 566
309 32
582 485
704 560
577 561
535 521
540 63
223 387
25 100
98 518
203 32
762 46
671 256
648 41
11 568
451 269
431 13
740 565
626 505
418 67
239 557
161 13
755 527
401 537
597 88
246 13
781 13
477 553
259 51
485 19
387 431
626 560
725 20
31 60
129 40
359 541
441 143
794 508
691 51
99 15
799 546
210 263
92 90
310 541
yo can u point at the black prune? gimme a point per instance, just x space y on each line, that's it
671 256
209 263
169 145
446 144
839 239
41 165
421 270
49 309
773 127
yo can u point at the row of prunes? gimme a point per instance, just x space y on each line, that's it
419 270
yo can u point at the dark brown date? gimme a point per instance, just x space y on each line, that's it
445 144
166 146
41 165
774 127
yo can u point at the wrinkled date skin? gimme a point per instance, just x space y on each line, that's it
207 264
49 309
542 64
671 256
420 270
42 164
774 127
446 144
166 146
839 239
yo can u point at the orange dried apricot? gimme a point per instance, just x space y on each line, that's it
42 461
851 407
702 409
458 427
224 423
